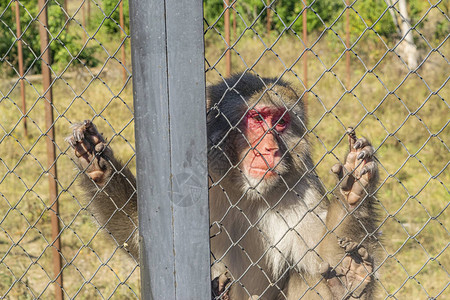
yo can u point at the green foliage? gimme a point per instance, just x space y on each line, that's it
65 47
110 15
211 11
373 13
441 29
8 51
321 14
248 10
415 9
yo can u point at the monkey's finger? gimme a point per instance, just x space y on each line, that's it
360 281
220 286
368 171
78 131
343 241
351 138
70 140
357 193
344 267
77 135
365 152
224 281
361 143
337 287
103 154
347 181
347 244
363 253
358 151
83 152
337 169
335 282
77 139
84 157
91 133
325 270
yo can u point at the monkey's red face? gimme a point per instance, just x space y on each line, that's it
262 126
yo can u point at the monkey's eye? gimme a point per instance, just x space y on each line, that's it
281 125
257 118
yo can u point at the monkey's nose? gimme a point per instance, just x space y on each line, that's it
269 143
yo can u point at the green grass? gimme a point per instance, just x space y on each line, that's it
411 137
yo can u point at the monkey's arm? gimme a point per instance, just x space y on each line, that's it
352 219
109 187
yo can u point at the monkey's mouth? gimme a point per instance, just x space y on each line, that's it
263 167
259 173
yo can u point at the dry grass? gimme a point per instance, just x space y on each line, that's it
411 137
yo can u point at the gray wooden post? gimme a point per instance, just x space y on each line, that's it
169 103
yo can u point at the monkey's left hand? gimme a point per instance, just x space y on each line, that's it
350 278
359 174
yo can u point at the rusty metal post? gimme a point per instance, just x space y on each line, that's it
89 11
122 24
66 8
305 55
269 18
83 21
51 155
20 54
347 42
227 38
234 23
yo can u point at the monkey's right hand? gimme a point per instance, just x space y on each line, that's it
92 154
359 175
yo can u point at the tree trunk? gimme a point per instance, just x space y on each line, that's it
407 48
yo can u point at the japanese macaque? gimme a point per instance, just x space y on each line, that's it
275 232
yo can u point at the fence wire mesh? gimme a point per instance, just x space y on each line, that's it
90 79
379 66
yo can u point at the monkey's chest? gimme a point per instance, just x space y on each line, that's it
289 236
269 243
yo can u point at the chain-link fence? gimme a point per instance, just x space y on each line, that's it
378 66
86 62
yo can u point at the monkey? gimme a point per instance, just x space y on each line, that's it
275 232
109 186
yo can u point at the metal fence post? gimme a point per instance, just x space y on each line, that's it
169 94
20 58
226 6
47 97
